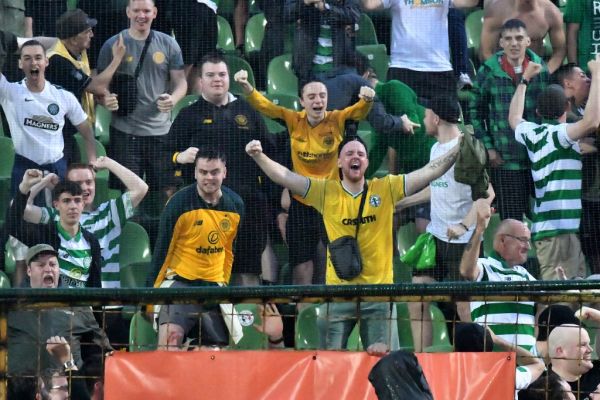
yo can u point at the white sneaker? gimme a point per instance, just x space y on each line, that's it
464 82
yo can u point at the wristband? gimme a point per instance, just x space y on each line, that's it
524 81
174 159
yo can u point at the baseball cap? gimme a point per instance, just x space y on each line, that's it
73 22
444 106
33 251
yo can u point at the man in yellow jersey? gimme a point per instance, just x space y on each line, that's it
315 135
338 202
195 248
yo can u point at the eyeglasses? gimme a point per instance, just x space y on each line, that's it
521 239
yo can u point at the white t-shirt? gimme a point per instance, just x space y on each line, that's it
420 34
36 120
450 200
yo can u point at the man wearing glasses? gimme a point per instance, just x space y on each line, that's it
509 320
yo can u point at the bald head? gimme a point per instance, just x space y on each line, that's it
511 241
570 351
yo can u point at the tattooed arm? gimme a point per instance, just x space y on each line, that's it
420 178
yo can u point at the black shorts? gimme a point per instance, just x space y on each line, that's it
198 321
195 28
447 260
304 230
426 84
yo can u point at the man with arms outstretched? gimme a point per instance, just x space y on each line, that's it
338 202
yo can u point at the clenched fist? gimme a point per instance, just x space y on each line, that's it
241 77
366 93
254 148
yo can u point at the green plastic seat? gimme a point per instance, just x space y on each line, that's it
9 259
183 103
83 158
280 77
4 281
441 341
4 197
307 331
235 64
285 100
255 33
354 341
378 58
253 339
133 275
404 329
225 40
102 125
366 33
7 156
134 245
142 336
473 25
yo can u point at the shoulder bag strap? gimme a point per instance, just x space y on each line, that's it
360 208
143 55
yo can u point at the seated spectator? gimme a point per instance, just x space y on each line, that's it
324 35
36 111
315 136
516 323
541 18
576 85
488 112
232 124
554 153
195 247
64 338
80 259
472 337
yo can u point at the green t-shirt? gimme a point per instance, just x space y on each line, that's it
584 12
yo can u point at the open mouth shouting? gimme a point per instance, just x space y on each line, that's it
355 165
49 279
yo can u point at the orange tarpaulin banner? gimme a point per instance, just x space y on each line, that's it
276 375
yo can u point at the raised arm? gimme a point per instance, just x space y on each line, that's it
418 179
90 142
591 116
517 103
455 231
258 101
423 196
468 263
166 101
279 174
99 83
557 39
33 213
136 187
525 358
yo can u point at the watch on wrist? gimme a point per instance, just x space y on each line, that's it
70 365
524 81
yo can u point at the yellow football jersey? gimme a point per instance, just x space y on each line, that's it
340 210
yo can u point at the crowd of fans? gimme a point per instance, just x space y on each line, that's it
218 191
